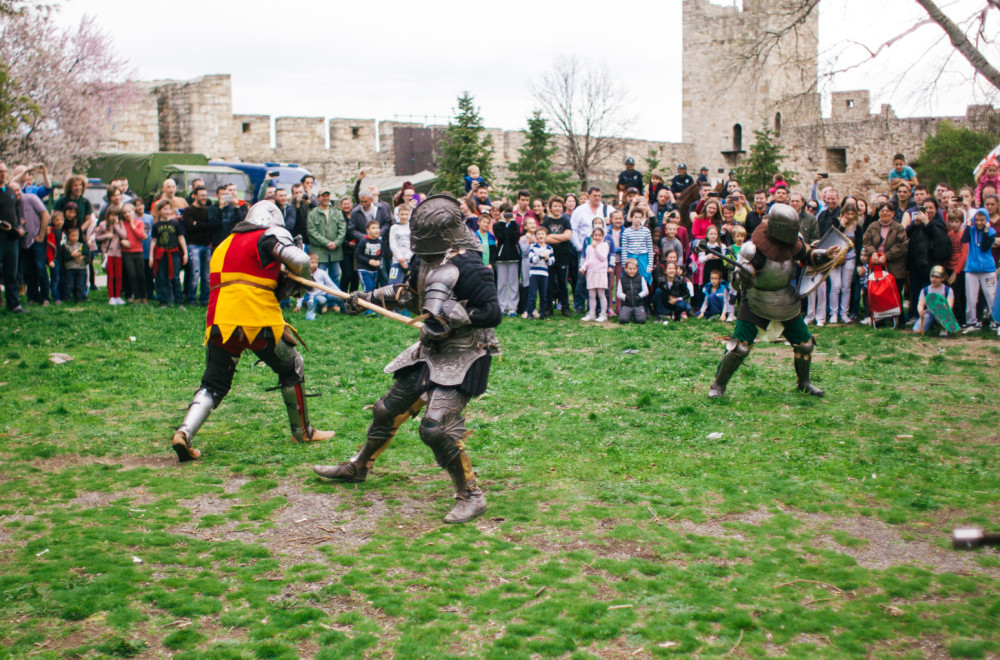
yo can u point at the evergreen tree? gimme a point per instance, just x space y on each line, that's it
465 143
951 154
532 171
652 164
763 163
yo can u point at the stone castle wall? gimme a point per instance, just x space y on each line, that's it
719 118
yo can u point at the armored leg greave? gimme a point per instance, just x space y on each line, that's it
803 358
201 407
443 430
736 352
399 404
298 415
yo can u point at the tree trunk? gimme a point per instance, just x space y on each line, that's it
962 43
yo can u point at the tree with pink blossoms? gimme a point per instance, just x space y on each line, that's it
59 89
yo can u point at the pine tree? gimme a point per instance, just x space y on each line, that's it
532 171
465 143
763 163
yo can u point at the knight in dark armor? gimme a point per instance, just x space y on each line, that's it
768 261
246 283
450 364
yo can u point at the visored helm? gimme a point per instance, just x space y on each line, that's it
265 214
630 161
438 225
783 224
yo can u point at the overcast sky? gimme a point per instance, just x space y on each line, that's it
393 59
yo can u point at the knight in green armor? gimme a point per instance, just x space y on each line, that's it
768 261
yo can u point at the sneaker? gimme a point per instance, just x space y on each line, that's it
535 314
180 307
524 315
666 322
602 319
809 319
684 316
566 312
588 317
971 327
820 323
732 318
512 314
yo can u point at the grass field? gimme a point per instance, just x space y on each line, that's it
813 528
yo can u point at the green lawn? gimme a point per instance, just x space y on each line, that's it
616 527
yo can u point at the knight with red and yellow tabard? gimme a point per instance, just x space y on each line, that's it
765 270
245 284
450 364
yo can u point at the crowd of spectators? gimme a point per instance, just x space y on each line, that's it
634 259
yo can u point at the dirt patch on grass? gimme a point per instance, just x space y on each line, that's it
306 521
65 461
91 499
884 546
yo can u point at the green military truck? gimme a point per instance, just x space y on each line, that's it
147 171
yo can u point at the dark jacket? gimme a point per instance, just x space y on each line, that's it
197 230
507 235
632 288
925 242
356 226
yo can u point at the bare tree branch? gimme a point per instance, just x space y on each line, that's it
961 43
586 105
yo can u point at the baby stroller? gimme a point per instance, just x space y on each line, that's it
883 296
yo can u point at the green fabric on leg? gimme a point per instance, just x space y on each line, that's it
796 331
746 331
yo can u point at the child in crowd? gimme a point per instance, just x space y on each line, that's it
70 216
926 320
980 269
53 241
901 172
595 267
632 292
716 297
169 254
368 255
132 264
472 176
615 262
739 235
487 240
399 246
540 256
704 263
110 234
508 259
955 268
74 255
673 295
989 177
637 243
147 223
317 297
524 244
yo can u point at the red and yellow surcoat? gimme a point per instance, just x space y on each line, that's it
242 289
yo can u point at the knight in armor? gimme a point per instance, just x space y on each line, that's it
450 364
768 261
245 284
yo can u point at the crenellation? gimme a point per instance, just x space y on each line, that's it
718 118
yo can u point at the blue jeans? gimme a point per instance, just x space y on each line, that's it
538 285
321 299
36 274
200 257
74 284
166 285
332 269
369 279
664 308
9 249
55 277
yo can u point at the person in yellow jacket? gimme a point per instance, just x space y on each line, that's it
245 285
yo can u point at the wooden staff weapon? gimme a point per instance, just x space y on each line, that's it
382 311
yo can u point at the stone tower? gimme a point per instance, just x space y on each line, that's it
728 93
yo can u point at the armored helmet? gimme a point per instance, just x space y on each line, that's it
630 161
783 223
265 214
438 225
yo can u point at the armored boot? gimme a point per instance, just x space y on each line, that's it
201 407
298 416
470 502
380 433
736 352
803 358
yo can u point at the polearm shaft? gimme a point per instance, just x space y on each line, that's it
382 311
704 248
